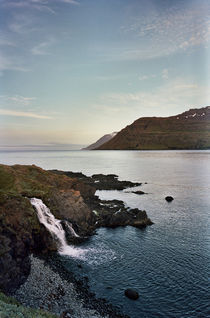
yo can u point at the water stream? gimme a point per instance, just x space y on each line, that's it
54 226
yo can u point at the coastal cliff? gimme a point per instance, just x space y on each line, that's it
69 196
20 231
189 130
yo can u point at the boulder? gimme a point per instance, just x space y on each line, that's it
138 192
169 198
131 293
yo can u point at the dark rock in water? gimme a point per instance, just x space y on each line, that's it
99 181
131 293
169 198
138 192
111 182
113 213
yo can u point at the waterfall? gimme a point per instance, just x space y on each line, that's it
70 228
54 226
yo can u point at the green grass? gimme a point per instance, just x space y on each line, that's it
10 308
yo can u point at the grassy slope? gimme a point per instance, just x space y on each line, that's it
9 307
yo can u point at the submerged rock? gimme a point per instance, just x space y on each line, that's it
138 192
169 198
131 293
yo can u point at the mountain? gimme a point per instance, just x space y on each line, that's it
189 130
101 141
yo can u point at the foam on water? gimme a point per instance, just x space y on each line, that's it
97 255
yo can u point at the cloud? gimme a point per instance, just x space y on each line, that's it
7 63
4 41
146 77
8 112
162 33
41 5
17 99
174 96
41 48
30 4
165 73
71 2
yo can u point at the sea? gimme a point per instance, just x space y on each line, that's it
167 263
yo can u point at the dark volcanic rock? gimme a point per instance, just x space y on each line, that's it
20 233
99 181
169 198
138 192
113 213
111 182
131 293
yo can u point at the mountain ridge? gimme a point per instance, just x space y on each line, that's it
100 141
188 130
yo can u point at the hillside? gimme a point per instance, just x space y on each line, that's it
189 130
100 141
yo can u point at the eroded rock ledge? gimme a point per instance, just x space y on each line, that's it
70 197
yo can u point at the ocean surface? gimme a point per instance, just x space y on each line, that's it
168 262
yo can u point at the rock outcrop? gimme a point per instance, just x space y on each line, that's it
20 231
70 198
99 181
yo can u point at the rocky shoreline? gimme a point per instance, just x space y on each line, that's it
52 288
70 198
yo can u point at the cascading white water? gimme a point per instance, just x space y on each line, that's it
72 231
54 226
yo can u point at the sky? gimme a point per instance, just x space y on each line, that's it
74 70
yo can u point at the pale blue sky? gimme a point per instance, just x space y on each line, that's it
74 70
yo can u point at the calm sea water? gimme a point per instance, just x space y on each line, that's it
168 262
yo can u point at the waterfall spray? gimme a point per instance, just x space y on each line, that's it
54 226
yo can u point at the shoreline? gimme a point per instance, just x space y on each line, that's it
51 287
70 198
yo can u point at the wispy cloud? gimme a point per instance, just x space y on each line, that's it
165 73
41 48
163 33
173 96
17 99
41 5
30 4
8 112
71 2
8 63
146 77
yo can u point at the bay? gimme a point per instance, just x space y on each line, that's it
168 262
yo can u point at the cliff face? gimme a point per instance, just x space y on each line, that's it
20 231
189 130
